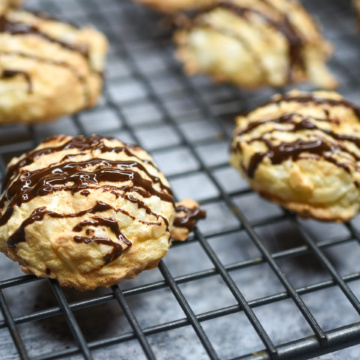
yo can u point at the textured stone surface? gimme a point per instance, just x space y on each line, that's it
231 335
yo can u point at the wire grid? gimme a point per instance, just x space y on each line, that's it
248 245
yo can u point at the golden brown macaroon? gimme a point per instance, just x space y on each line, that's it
171 6
357 6
47 68
252 43
8 4
302 150
89 212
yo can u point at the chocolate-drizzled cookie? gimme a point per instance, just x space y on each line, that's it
171 6
48 68
8 4
89 212
302 150
252 43
357 8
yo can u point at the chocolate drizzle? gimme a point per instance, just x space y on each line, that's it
141 205
21 186
114 227
303 99
7 74
80 143
284 26
40 213
292 150
305 123
190 218
24 29
320 146
112 255
73 177
63 64
21 28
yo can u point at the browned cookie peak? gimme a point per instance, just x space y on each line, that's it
254 43
6 5
357 8
48 68
89 211
303 151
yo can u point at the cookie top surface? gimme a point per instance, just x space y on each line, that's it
88 211
5 5
48 68
302 150
254 42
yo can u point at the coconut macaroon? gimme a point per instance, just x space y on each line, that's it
302 150
8 4
357 6
89 212
171 6
252 43
47 68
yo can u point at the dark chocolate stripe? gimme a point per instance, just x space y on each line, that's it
306 123
113 226
22 186
317 100
142 205
63 64
292 150
8 74
45 181
112 255
100 221
287 150
190 218
40 213
74 177
285 27
80 143
21 28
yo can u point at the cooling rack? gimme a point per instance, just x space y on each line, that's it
252 282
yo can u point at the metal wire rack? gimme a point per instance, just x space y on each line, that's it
252 282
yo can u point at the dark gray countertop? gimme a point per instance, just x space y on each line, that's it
139 35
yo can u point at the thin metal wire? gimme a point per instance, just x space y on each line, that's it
185 279
70 318
188 311
338 339
327 264
12 328
133 322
